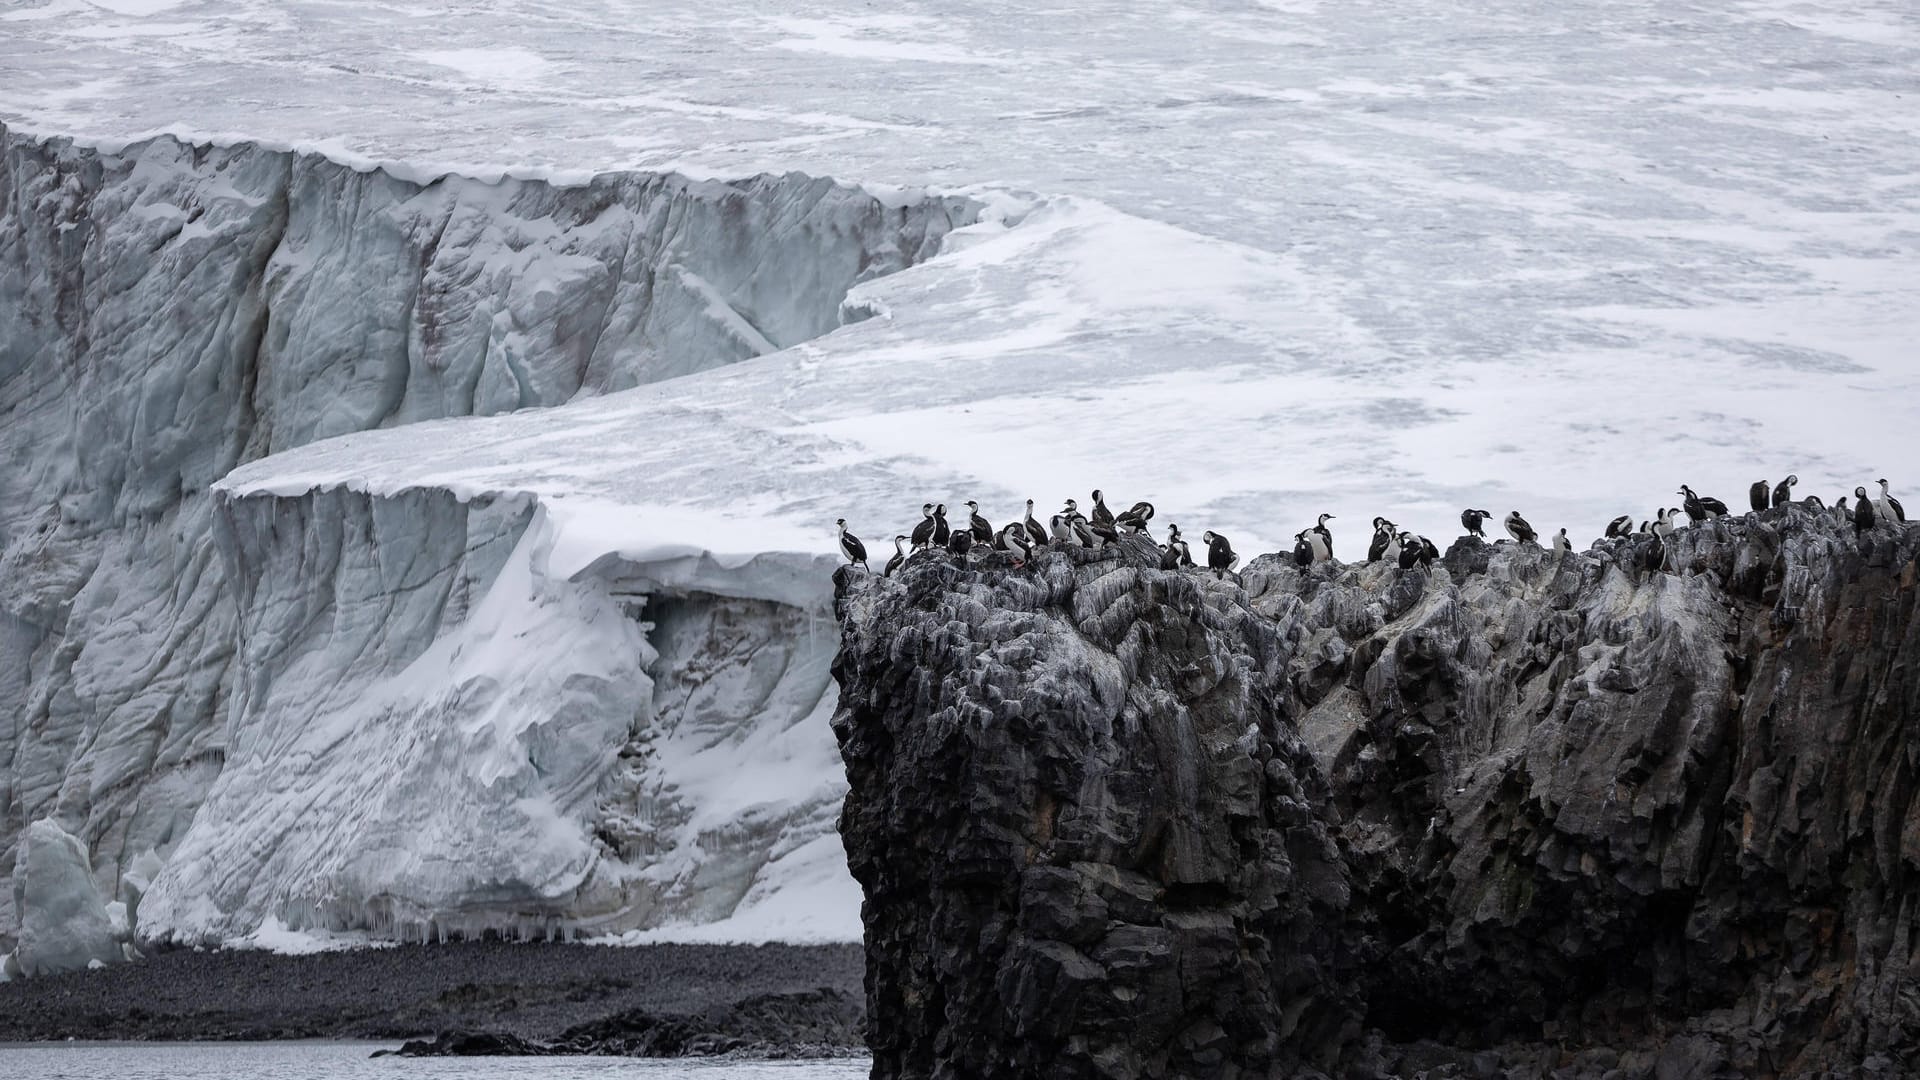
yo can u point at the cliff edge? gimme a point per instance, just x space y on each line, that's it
1645 810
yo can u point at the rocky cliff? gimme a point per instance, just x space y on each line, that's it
1648 808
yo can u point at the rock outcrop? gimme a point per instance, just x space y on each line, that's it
1644 810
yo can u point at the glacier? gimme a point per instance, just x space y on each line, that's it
332 360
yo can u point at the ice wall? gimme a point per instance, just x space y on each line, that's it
169 311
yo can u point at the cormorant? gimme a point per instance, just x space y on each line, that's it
1862 511
1888 506
941 532
1302 550
1136 517
981 528
1700 507
1620 526
1220 556
851 547
1518 528
1322 539
923 532
1759 495
1561 544
1664 526
1062 532
1035 533
1473 519
899 556
1783 491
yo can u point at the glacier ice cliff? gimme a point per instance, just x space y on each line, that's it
169 311
1631 812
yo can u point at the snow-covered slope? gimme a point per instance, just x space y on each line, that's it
1252 261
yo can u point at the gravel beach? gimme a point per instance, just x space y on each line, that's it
534 990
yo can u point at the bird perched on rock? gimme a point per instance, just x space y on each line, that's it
851 547
1888 507
1082 528
941 531
899 556
1862 511
1620 526
1175 541
960 543
1135 517
1518 528
981 528
1385 536
1220 556
1561 544
1012 537
1841 511
1036 534
1759 496
923 532
1783 491
1302 549
1473 519
1663 526
1321 538
1062 532
1101 515
1700 507
1415 551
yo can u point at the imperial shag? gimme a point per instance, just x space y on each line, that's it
899 556
923 532
960 542
1302 549
1385 536
1036 533
1862 511
1783 491
981 528
1759 495
1062 532
1889 507
1560 542
1473 519
851 547
941 533
1620 526
1414 551
1101 515
1518 528
1136 517
1220 556
1700 507
1664 526
1321 538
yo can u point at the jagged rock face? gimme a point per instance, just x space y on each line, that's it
1655 801
1084 828
168 312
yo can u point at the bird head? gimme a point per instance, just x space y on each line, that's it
1324 518
1096 494
974 506
842 522
1792 479
926 510
1882 482
940 510
1072 505
1860 493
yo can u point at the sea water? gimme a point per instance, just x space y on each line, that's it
353 1061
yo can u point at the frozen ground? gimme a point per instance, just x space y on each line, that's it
1250 261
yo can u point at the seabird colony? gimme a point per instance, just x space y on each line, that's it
1390 544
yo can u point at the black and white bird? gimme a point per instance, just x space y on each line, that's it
1175 541
1322 539
1083 528
1302 549
1888 507
1135 517
1063 532
1759 495
1012 537
1518 528
1783 491
923 532
1663 524
1473 519
960 542
1385 537
1561 544
981 528
1036 533
1414 551
1862 511
1620 526
899 556
941 531
1220 556
1101 515
851 547
1700 507
1842 511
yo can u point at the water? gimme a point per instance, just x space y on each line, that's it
350 1061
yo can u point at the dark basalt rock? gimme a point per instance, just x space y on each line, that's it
816 1023
1647 810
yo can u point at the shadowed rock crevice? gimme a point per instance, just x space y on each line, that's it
1645 808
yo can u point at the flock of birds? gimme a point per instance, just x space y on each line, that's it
1071 528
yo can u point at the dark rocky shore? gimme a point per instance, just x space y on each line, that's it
1648 812
770 1000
